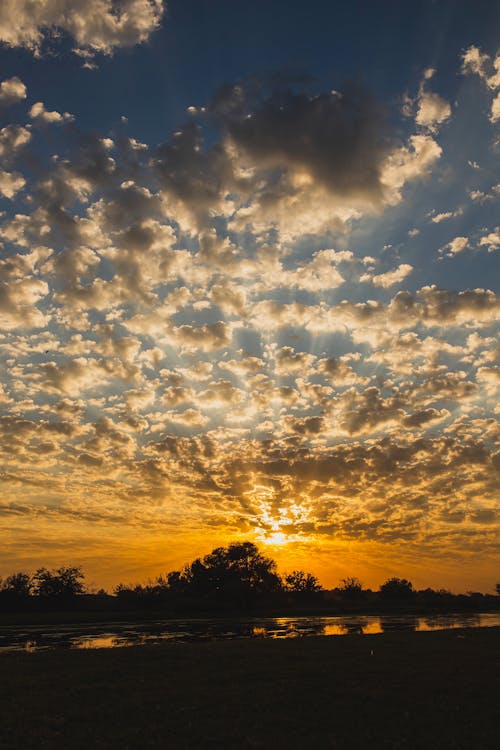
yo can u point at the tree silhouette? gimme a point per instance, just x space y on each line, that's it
63 583
19 585
228 578
299 582
174 581
397 588
237 573
351 588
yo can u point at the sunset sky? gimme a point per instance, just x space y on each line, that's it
249 267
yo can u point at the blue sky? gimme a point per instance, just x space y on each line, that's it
249 279
202 45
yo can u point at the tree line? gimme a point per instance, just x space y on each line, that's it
237 577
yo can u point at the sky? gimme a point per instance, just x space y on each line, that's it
249 286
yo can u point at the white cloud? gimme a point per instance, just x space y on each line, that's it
18 300
491 240
11 183
287 361
445 215
474 61
409 162
455 246
12 139
488 69
429 109
188 418
40 114
432 110
495 109
389 278
100 26
204 338
12 90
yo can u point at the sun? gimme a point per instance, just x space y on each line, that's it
277 537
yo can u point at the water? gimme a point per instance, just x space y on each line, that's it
116 635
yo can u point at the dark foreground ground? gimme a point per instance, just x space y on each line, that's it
400 690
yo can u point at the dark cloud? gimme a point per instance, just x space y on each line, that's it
197 177
338 138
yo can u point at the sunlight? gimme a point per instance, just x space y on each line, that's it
277 537
215 312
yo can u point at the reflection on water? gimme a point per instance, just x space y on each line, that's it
258 631
134 634
362 626
439 622
409 622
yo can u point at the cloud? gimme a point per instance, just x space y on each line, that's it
430 307
319 274
338 371
101 26
307 426
332 138
455 246
483 65
72 377
11 183
39 114
287 361
424 416
301 162
491 240
495 109
219 393
204 338
389 278
488 69
473 306
475 61
188 417
409 162
195 180
429 110
185 335
445 215
12 90
432 109
230 298
244 366
12 139
366 411
18 303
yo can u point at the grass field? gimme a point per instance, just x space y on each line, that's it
403 691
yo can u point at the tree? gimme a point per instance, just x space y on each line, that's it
397 588
497 588
300 582
175 582
62 583
351 588
236 573
18 585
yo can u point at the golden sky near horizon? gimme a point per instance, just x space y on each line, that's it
270 316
